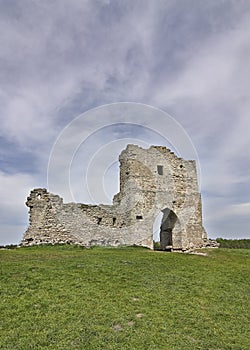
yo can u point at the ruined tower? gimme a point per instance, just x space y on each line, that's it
152 181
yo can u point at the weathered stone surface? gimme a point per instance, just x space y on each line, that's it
152 180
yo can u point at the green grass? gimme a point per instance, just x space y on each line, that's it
66 297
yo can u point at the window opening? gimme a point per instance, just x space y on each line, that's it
160 169
99 221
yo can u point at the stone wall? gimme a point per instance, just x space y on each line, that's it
152 180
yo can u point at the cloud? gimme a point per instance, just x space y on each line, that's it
13 212
98 128
226 219
221 60
210 94
54 53
60 58
241 209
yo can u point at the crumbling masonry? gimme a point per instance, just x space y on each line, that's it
152 181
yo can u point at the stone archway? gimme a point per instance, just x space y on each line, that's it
166 230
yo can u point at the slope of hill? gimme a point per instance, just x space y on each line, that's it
66 297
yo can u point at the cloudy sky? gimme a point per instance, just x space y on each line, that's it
61 58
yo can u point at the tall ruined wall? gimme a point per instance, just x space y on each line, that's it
151 181
159 180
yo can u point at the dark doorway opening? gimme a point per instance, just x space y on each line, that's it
166 230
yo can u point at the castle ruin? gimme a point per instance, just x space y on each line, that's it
153 182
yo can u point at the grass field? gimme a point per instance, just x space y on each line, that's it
66 297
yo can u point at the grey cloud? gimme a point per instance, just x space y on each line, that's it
60 58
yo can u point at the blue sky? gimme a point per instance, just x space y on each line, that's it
189 58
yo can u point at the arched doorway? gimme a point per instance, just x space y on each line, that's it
166 230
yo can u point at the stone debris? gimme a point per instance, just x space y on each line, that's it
117 327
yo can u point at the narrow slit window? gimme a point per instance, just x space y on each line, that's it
160 169
114 221
99 221
138 217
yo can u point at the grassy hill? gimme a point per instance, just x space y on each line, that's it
66 297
